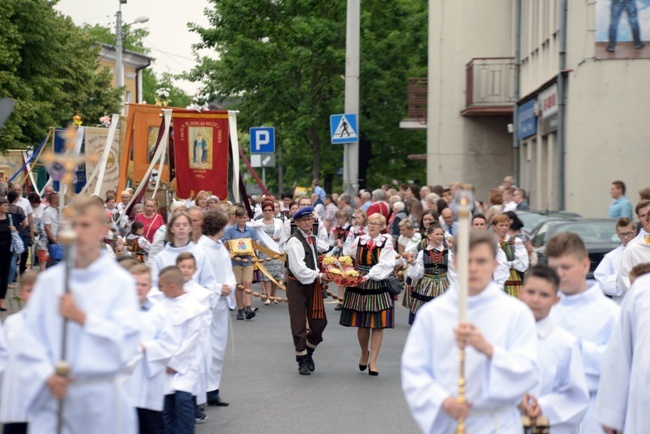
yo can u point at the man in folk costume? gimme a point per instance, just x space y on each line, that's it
501 349
102 336
304 291
318 229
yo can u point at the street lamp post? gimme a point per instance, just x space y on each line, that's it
119 33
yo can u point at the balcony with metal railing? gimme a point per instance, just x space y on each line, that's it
489 86
417 104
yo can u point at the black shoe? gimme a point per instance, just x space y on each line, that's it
250 313
310 359
303 368
339 306
240 315
217 402
639 45
373 373
363 367
610 49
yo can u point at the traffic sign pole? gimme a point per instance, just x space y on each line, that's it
352 53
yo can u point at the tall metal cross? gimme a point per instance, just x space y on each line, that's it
68 163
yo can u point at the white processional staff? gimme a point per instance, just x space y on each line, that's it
464 201
67 236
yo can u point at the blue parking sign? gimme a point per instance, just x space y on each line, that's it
262 140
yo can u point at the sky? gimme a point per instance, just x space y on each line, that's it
169 39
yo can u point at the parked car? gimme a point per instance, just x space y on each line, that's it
532 219
599 236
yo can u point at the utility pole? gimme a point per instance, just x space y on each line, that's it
352 50
119 66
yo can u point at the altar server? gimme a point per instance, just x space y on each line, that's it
12 410
183 368
102 336
623 394
214 223
583 311
606 273
501 349
561 396
158 342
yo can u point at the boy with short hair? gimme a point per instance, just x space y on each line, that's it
13 413
561 396
187 264
183 368
583 311
606 273
159 339
638 271
499 365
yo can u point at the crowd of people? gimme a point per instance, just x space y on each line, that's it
150 297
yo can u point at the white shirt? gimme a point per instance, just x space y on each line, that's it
219 258
606 274
38 211
590 317
25 205
635 253
416 270
204 273
624 397
386 265
510 206
562 392
296 257
494 386
51 217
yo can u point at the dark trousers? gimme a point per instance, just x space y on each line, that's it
150 421
178 415
301 299
15 428
5 265
23 258
617 9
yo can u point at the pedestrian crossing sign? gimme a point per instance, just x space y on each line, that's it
344 128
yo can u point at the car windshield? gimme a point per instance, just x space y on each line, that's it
591 232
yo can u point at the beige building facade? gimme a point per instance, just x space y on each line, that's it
133 63
471 100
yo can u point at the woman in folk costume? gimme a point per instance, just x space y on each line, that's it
338 235
269 229
515 251
433 270
368 306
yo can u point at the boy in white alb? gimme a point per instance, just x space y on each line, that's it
214 223
501 349
183 368
158 342
561 396
583 311
13 413
187 264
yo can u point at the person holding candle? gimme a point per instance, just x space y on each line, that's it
562 396
432 270
516 254
500 363
583 311
368 306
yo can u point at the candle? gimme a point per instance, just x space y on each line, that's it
463 201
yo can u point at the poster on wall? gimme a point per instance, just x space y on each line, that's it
10 163
622 29
94 142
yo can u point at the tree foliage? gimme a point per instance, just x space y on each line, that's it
282 63
49 67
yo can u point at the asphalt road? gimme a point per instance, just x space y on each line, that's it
267 395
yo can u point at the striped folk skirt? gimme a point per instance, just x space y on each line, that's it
368 305
428 288
514 283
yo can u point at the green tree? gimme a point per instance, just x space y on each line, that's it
49 67
282 63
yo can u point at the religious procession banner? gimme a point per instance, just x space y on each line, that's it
142 127
94 143
200 152
10 162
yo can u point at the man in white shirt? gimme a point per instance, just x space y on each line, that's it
606 273
50 219
636 252
501 342
304 291
642 210
509 203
